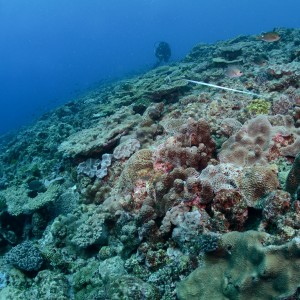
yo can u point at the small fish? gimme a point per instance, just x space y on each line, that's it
233 72
260 60
269 37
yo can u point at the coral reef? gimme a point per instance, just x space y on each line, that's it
153 182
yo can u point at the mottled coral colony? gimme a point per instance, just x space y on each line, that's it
157 188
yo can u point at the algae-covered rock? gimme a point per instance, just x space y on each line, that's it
222 62
111 268
19 200
129 287
244 268
87 282
230 52
47 285
96 140
50 285
16 285
169 91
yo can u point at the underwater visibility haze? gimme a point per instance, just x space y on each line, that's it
52 51
149 150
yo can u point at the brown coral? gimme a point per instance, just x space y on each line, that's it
232 206
180 185
139 166
257 182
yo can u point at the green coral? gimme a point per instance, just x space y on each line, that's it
244 268
259 107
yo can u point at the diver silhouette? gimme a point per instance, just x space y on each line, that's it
162 53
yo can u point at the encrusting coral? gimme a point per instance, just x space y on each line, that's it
244 267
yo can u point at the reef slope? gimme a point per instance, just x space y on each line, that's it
140 188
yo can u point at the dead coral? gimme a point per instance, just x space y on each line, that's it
95 140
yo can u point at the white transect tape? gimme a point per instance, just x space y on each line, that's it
222 87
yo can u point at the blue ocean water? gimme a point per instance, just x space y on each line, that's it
50 51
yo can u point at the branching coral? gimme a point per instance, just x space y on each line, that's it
25 256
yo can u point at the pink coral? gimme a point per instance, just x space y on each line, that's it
280 141
248 145
259 142
192 146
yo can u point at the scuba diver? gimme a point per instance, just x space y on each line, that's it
162 53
